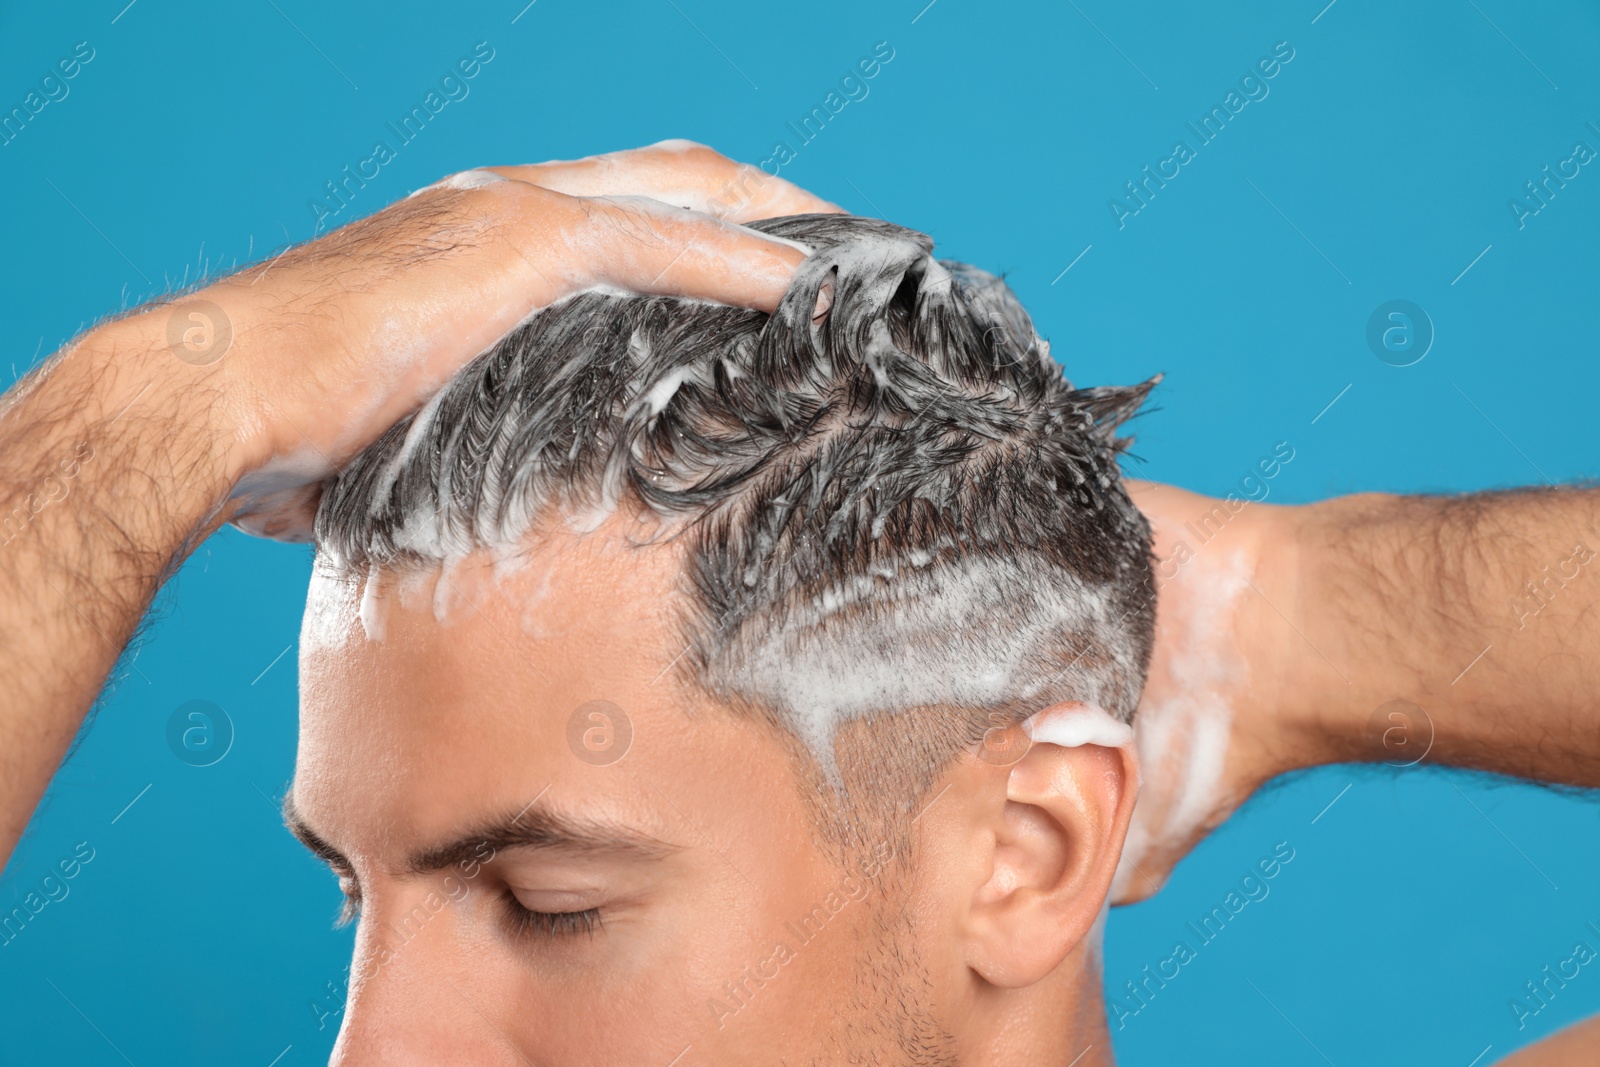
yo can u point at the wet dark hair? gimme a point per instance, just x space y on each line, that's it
906 497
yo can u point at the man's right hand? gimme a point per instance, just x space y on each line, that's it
340 338
235 402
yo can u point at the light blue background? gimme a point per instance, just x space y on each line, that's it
1415 907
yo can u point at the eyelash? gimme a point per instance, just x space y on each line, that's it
526 923
350 908
551 924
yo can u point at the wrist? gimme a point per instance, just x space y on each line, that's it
1273 709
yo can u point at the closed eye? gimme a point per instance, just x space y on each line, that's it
526 923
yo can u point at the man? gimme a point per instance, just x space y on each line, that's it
332 345
695 621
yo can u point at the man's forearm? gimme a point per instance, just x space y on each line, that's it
1481 610
111 465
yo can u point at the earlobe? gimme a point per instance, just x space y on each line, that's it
1057 839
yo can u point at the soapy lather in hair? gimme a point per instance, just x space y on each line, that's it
899 505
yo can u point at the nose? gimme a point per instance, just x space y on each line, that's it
418 995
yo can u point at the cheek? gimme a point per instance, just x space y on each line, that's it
790 975
759 956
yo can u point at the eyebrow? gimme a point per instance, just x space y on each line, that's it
534 827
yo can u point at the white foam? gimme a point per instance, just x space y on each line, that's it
534 617
935 278
935 644
662 392
422 534
420 424
466 179
414 587
453 589
587 520
1076 724
332 607
592 288
372 606
1183 736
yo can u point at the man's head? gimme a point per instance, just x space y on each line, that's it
696 621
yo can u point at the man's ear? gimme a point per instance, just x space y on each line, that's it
1056 825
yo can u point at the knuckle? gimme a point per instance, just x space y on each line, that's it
465 181
684 145
694 153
